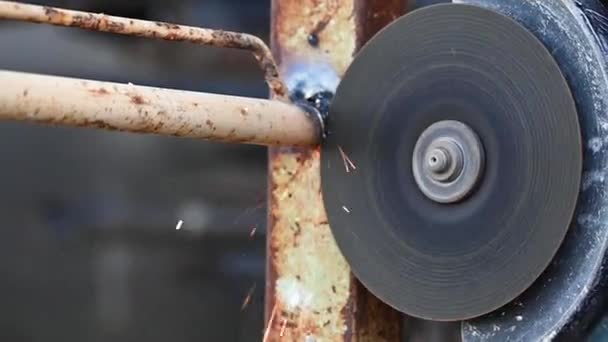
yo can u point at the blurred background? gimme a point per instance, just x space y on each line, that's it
89 248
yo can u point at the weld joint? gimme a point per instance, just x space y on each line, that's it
317 105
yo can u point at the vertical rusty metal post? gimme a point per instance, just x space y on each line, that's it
310 293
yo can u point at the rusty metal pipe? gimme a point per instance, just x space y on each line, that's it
148 29
309 287
126 107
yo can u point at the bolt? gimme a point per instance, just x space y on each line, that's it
443 160
439 160
313 40
447 161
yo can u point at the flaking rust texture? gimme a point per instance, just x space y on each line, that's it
310 293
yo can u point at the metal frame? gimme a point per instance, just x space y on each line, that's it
198 115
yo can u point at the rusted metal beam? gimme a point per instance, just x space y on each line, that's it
148 29
310 293
126 107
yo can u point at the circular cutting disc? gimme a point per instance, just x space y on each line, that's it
451 261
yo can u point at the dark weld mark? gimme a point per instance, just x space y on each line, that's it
321 101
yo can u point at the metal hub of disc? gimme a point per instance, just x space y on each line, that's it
467 149
447 161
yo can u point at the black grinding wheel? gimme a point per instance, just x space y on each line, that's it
455 257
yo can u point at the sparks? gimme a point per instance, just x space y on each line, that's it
346 209
348 164
252 232
270 321
247 299
261 202
283 326
179 225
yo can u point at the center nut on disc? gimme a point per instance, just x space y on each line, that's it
447 161
468 158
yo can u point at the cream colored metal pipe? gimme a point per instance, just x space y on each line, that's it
125 107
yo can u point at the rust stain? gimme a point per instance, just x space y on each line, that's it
376 14
321 24
309 282
167 25
79 123
372 319
137 99
331 23
99 92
